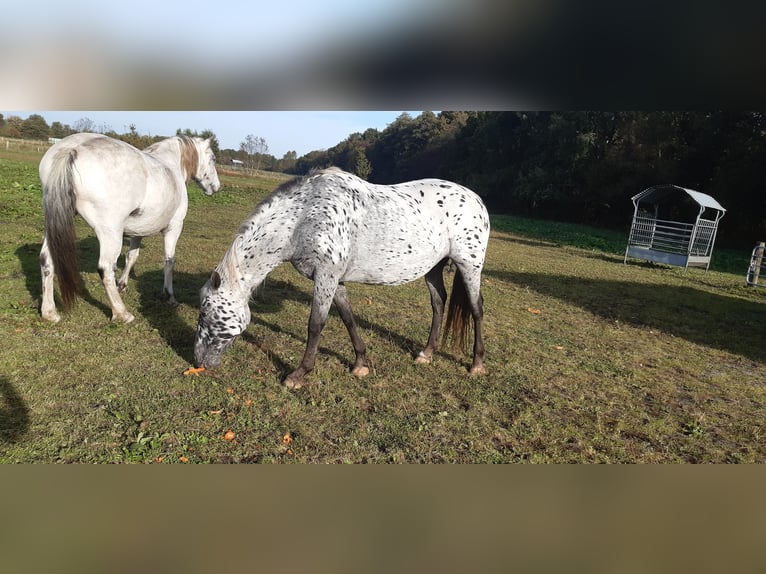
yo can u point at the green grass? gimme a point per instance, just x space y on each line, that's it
624 363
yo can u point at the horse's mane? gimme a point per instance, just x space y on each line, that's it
227 268
189 153
230 262
189 156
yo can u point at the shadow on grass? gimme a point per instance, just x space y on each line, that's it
717 321
14 413
267 302
29 257
270 300
153 307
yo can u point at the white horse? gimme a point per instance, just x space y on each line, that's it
119 191
334 227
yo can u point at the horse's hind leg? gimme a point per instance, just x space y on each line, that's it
109 251
48 307
477 309
360 368
435 281
130 261
471 276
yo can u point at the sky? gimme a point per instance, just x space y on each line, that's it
299 131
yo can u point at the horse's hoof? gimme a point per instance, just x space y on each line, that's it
52 317
477 370
172 302
126 318
360 372
422 359
294 383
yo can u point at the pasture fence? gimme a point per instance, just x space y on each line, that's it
22 145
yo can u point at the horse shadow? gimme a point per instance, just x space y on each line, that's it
179 334
29 257
14 413
175 330
270 300
267 300
698 316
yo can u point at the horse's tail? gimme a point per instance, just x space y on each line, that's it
59 209
458 313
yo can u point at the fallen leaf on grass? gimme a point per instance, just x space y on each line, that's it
193 371
558 347
533 310
287 439
183 459
218 412
229 435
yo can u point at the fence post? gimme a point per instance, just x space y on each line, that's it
758 261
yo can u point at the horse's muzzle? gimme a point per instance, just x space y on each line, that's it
203 357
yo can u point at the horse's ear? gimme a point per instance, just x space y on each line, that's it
215 279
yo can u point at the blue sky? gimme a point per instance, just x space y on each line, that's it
301 131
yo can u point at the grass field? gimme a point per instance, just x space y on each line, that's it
622 363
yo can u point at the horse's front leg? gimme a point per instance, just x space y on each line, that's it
170 237
130 261
324 291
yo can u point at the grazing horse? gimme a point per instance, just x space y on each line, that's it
334 227
119 191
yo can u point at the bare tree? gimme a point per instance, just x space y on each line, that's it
255 148
84 125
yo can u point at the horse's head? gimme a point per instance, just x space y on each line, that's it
204 172
224 314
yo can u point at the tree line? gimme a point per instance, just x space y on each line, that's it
253 151
576 166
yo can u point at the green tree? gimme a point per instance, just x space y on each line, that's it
362 166
58 130
288 161
35 127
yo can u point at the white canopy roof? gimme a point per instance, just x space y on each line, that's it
656 193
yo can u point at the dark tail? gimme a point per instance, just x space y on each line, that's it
458 314
59 210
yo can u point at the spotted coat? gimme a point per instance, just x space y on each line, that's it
335 227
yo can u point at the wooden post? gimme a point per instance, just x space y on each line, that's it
758 261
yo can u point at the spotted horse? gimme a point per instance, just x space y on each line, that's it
335 228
